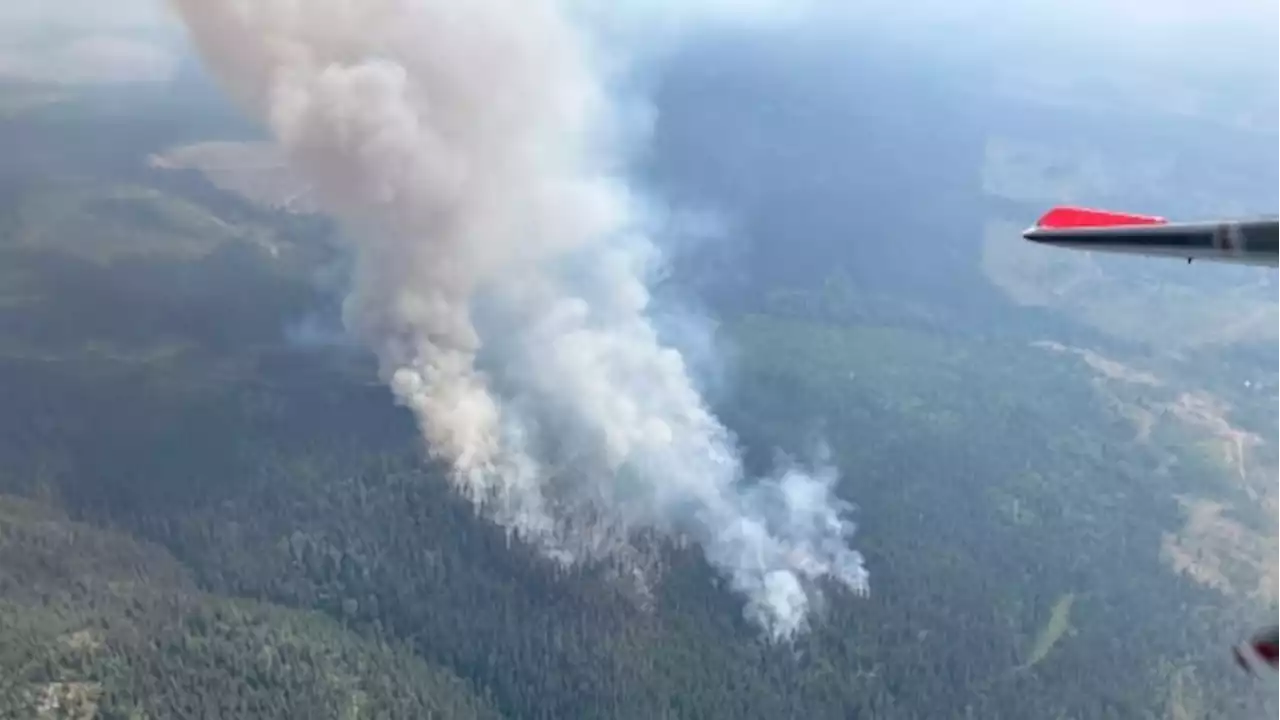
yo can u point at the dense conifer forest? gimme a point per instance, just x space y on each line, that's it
210 508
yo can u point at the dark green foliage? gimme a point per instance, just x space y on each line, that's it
217 523
122 624
304 488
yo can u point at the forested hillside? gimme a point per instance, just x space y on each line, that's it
94 624
203 514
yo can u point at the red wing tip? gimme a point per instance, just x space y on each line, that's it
1078 217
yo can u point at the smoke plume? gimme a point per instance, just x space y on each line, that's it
472 148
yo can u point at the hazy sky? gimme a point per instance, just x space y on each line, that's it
23 16
1187 41
83 41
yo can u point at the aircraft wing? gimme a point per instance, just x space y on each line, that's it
1251 242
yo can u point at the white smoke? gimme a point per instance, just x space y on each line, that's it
500 278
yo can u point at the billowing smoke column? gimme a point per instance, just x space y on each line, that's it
500 269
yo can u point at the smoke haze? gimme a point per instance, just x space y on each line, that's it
94 59
78 42
473 149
